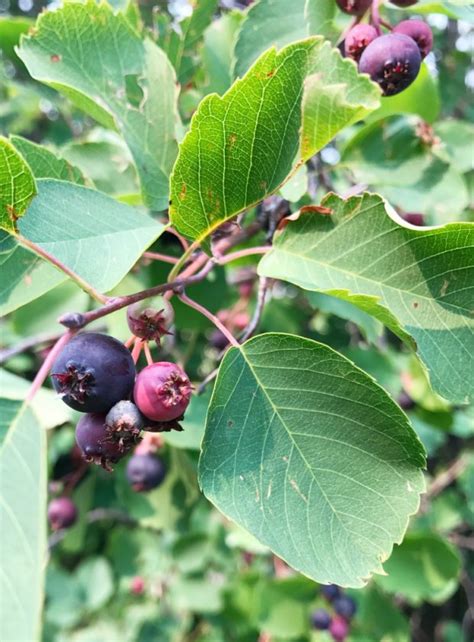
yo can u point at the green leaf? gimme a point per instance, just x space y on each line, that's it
228 163
217 52
25 276
17 186
44 163
96 237
193 425
268 23
311 456
414 280
320 15
23 519
380 618
11 29
424 568
100 63
95 578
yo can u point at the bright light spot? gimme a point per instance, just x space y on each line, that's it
330 155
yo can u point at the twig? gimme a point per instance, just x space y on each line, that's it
181 239
47 363
197 306
210 377
27 344
146 350
249 251
156 256
447 477
101 298
257 315
376 16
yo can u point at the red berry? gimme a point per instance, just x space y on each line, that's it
62 513
150 319
358 38
162 391
96 443
137 585
414 218
339 629
419 31
354 7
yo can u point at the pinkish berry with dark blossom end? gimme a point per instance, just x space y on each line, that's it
393 61
137 585
93 372
419 31
162 391
96 444
354 7
339 629
145 472
414 218
62 513
358 38
150 319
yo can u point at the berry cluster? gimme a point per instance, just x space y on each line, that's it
96 374
392 60
343 610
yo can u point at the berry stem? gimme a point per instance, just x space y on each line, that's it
181 239
197 306
375 15
156 256
263 286
249 251
101 298
28 344
146 350
130 341
137 350
47 363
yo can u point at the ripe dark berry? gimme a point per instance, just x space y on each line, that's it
403 3
405 401
419 31
96 443
218 340
320 619
124 422
150 319
354 7
393 61
162 391
358 38
330 592
345 607
93 372
414 218
145 472
339 629
62 513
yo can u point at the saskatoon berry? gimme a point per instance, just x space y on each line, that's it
358 38
405 401
403 3
137 585
354 7
330 592
124 422
150 319
218 340
95 442
393 61
145 472
345 607
419 31
62 513
93 372
339 629
414 218
320 619
162 391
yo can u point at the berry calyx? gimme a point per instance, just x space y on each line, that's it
357 39
419 31
354 7
62 513
124 422
393 61
345 607
339 629
145 472
162 391
95 442
150 319
320 619
93 372
330 592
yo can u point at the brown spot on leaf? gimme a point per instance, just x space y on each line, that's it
232 140
55 58
182 194
230 423
415 304
12 214
263 186
270 73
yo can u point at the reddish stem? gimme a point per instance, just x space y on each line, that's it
47 363
156 256
197 306
129 342
181 239
137 350
249 251
375 14
146 350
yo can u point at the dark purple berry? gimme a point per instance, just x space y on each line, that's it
419 31
403 3
393 61
345 607
162 391
93 372
320 619
330 592
405 401
339 629
124 422
62 513
414 218
218 339
96 443
358 38
150 319
354 7
145 472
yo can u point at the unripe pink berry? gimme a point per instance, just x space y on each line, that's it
162 391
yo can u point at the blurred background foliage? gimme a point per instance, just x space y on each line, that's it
166 565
